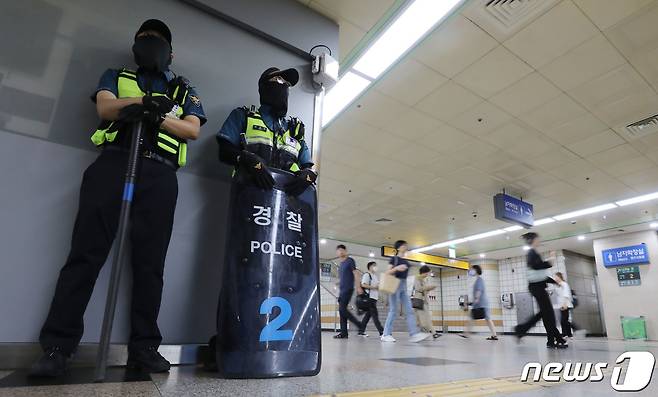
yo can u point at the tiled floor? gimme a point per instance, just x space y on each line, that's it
474 366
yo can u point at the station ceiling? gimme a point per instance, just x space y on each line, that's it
536 104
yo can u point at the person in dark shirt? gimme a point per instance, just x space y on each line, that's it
400 268
172 114
537 278
347 275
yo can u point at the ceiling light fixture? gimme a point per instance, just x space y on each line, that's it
484 235
581 237
408 28
440 245
513 228
483 255
638 199
543 221
372 254
323 241
586 211
402 34
653 225
344 92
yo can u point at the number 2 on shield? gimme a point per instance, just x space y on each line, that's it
272 331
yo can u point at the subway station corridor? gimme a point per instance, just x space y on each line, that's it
343 198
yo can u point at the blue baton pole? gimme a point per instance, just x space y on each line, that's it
117 263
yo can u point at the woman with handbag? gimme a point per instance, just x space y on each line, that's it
480 309
419 300
399 268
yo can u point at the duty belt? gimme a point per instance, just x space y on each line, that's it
149 154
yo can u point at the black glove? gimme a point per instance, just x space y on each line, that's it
131 113
158 104
297 128
256 167
304 179
135 112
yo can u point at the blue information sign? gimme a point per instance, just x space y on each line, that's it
512 210
625 255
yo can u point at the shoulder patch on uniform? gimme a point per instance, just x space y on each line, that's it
195 100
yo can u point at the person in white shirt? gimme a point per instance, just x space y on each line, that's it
370 284
565 304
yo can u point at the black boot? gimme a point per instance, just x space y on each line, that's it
147 360
53 363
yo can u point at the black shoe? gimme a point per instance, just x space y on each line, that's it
340 336
53 363
147 360
562 344
551 346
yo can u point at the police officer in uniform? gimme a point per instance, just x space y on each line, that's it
172 114
254 139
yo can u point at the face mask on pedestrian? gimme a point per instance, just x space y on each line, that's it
472 272
152 53
274 94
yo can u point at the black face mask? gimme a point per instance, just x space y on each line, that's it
275 95
152 53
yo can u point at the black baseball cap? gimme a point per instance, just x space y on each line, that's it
157 26
290 75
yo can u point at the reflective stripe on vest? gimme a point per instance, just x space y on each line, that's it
128 88
257 132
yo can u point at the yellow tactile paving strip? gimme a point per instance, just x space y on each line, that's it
463 388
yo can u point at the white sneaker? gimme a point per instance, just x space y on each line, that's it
419 337
387 338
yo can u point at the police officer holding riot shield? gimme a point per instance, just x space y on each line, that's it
171 114
268 317
255 139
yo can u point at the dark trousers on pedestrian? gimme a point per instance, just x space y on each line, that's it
538 291
567 325
95 228
343 300
372 313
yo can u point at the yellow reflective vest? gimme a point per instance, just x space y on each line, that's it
167 145
285 147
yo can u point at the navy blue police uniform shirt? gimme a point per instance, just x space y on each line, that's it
346 273
191 107
396 260
236 124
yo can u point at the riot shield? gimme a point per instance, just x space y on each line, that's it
268 321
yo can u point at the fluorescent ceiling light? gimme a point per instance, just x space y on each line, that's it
484 235
402 34
581 237
586 211
440 245
653 225
513 228
483 255
638 199
543 221
344 92
323 241
372 254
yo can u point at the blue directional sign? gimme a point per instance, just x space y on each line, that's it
625 255
512 210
